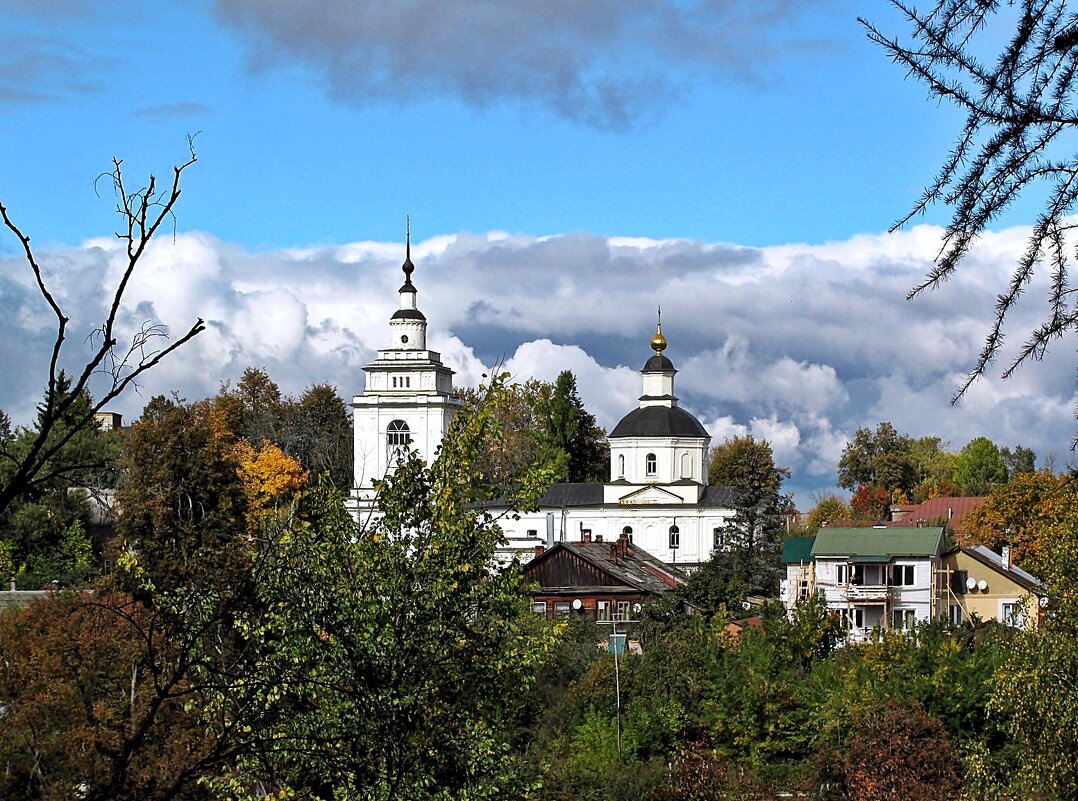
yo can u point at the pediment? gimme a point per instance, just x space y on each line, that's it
650 495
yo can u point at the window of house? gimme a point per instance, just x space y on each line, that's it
842 573
651 464
803 588
903 618
675 537
718 538
956 614
622 613
561 609
539 607
904 575
1010 612
958 582
851 618
602 611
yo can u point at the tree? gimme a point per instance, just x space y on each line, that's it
142 213
979 467
1020 460
749 560
319 434
827 509
393 659
54 510
573 429
1023 513
1018 107
870 503
881 459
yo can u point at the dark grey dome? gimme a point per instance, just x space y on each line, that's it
658 364
408 314
659 421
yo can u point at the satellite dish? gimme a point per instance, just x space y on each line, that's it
577 603
971 583
982 585
637 607
746 605
1044 602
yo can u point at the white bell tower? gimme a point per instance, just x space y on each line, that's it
407 401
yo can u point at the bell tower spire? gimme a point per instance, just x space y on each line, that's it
408 326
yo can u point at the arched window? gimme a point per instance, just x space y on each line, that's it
398 433
651 464
675 537
686 466
627 532
398 438
621 465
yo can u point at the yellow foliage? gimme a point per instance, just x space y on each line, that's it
270 477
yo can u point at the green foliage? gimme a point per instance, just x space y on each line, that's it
572 428
1020 460
979 467
396 658
878 459
749 561
827 509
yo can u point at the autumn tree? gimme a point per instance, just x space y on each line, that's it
142 213
827 509
1019 110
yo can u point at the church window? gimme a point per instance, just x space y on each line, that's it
651 464
394 382
686 466
627 532
621 465
408 382
718 538
398 433
404 339
675 537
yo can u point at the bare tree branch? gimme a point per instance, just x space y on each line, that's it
143 212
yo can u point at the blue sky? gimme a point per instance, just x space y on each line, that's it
568 167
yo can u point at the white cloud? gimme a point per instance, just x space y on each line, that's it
800 344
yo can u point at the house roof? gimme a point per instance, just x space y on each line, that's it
883 543
993 560
581 494
635 568
947 511
797 549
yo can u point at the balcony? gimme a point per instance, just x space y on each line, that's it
868 593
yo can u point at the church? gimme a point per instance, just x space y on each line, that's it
657 496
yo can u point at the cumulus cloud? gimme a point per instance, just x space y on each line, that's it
603 63
799 344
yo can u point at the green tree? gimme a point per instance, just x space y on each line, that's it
878 459
319 434
395 658
36 523
572 429
254 410
748 563
1020 460
979 467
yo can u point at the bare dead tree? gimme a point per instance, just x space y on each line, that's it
143 212
1019 109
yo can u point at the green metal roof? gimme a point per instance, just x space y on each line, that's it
882 543
797 549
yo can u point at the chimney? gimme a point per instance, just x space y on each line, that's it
598 537
1006 553
621 547
585 535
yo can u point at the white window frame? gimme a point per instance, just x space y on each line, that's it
675 538
956 614
539 607
562 608
900 573
842 573
603 612
651 465
903 618
621 614
852 618
1012 612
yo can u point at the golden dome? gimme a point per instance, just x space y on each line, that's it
658 342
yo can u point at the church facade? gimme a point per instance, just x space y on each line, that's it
657 495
